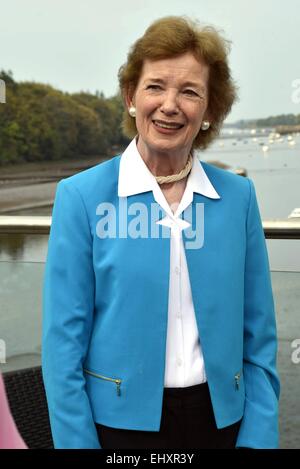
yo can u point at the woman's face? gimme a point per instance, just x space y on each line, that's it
171 100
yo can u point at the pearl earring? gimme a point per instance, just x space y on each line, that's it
132 111
205 125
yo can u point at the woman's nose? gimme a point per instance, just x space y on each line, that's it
169 103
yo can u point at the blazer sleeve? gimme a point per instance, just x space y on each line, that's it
68 305
259 426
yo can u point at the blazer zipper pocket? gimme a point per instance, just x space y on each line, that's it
237 381
117 381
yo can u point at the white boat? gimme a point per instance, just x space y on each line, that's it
295 213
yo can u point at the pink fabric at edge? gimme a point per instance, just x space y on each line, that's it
9 435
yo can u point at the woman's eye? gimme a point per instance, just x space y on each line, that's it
153 87
190 92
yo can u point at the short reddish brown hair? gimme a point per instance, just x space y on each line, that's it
172 36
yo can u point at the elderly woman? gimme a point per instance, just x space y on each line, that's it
159 327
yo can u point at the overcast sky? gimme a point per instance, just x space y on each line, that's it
79 45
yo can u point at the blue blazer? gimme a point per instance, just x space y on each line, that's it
105 305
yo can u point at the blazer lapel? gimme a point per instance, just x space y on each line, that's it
153 249
202 258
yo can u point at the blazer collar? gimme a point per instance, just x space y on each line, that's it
136 178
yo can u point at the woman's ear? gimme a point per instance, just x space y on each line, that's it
129 97
206 116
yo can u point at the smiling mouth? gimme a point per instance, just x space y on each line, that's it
167 125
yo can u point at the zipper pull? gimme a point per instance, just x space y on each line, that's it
237 381
118 383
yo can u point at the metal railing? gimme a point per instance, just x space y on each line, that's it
274 229
13 224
